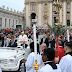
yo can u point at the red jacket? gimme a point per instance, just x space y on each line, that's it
61 52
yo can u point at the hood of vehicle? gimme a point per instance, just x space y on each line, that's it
7 53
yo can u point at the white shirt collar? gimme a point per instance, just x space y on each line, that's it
48 61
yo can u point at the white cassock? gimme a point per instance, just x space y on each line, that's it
22 38
48 68
31 60
66 63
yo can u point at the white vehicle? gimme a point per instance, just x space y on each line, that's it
10 58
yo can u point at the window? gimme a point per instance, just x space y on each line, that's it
54 19
9 22
55 12
68 5
68 22
68 12
0 21
33 7
5 22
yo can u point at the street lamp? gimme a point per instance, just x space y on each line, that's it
58 6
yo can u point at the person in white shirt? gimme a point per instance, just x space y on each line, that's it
47 57
31 59
22 38
66 61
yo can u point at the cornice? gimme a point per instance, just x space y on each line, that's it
10 12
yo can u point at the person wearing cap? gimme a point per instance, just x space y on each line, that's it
66 61
47 57
22 38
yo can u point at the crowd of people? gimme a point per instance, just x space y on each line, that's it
12 36
50 57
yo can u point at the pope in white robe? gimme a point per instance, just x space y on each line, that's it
22 38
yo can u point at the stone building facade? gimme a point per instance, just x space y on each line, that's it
10 18
44 11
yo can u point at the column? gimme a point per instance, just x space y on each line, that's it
3 22
27 16
7 25
61 13
50 17
64 12
71 13
40 15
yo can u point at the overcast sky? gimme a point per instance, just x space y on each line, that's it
18 5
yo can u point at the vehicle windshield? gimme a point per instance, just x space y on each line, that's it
10 48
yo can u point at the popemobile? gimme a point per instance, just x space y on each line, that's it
10 58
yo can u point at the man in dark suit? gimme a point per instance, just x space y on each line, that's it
12 43
52 42
43 40
47 41
4 42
